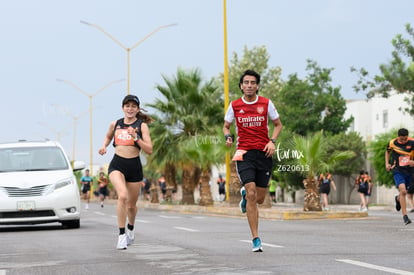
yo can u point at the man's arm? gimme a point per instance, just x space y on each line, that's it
387 160
277 128
227 134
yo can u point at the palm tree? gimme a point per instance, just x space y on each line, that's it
311 158
206 150
189 108
164 157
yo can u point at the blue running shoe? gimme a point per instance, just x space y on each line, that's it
257 245
243 201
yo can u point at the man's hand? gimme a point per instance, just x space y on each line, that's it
269 149
229 141
389 167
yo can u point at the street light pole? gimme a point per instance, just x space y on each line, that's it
90 96
226 93
75 124
128 50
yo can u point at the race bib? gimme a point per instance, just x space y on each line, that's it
403 160
238 155
123 138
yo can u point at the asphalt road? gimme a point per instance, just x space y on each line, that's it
176 243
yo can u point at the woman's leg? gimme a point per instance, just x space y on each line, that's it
118 180
362 197
133 194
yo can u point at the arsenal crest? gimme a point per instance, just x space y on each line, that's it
260 110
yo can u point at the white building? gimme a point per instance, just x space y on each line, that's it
378 115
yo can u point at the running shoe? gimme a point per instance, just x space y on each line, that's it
406 220
397 204
122 242
130 236
243 201
257 245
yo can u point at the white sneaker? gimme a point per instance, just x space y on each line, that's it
86 206
130 236
122 242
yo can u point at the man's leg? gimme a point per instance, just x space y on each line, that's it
252 210
254 195
410 201
402 195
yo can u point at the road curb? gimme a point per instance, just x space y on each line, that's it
264 213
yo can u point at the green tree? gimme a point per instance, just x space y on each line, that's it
256 59
189 107
312 104
289 181
353 142
206 151
314 160
164 157
377 149
396 75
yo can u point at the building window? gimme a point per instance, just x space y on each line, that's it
385 119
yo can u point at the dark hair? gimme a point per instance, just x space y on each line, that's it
144 117
402 132
251 73
361 172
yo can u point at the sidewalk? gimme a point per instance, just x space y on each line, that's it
279 211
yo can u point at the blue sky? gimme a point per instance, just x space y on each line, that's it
44 40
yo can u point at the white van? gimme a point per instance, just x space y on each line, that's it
37 184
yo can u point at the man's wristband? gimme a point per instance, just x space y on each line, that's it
229 136
273 140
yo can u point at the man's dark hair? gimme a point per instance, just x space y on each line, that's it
402 132
252 73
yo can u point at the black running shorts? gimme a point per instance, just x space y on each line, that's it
255 167
130 168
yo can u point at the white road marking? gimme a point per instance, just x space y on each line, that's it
265 244
99 213
198 217
169 217
2 272
376 267
142 221
186 229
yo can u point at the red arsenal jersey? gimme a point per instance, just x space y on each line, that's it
252 121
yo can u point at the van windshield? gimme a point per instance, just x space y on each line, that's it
32 159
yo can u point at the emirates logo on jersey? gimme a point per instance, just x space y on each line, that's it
260 110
